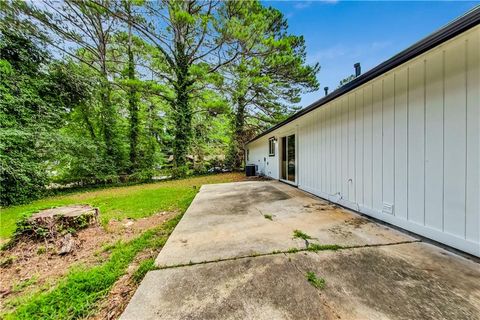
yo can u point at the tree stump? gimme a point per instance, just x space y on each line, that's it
50 223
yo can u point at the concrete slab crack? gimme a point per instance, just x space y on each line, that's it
318 292
289 251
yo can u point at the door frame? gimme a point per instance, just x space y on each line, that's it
280 136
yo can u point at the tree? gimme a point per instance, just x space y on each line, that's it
193 39
82 31
35 96
132 94
346 80
126 84
267 81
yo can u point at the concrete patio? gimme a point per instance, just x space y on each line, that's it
226 260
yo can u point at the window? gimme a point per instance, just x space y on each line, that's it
248 155
271 147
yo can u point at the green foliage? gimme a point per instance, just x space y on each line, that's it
301 235
94 93
180 171
266 82
74 297
143 268
315 281
20 286
346 80
320 247
19 166
33 103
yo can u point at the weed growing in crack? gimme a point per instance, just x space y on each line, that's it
321 247
268 216
315 281
301 235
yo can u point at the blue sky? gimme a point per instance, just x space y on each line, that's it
339 34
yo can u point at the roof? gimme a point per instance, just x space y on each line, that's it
469 20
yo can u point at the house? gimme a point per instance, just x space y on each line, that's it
400 143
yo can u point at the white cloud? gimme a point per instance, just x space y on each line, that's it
302 4
342 50
328 53
299 5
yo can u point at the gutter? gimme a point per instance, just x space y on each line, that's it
469 20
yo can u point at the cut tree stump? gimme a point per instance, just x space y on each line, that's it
50 223
71 211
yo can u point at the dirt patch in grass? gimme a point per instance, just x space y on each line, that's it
31 265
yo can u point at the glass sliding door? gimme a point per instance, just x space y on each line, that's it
291 158
284 159
288 160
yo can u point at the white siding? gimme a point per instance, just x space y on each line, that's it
408 139
434 111
258 155
401 143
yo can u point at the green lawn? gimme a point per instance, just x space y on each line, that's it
77 294
121 202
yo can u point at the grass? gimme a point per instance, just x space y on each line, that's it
75 296
145 266
133 202
24 284
268 216
321 247
315 281
301 235
7 261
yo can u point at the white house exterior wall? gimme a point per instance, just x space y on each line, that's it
258 155
403 148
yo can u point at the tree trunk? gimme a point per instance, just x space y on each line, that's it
88 123
108 112
108 122
183 120
182 109
132 101
239 133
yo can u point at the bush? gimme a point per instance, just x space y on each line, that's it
180 172
22 177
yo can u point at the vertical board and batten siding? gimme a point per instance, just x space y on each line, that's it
259 155
405 146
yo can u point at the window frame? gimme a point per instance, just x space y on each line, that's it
271 147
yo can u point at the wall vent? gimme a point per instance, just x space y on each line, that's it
387 208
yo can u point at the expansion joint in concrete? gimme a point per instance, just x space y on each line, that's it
290 251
